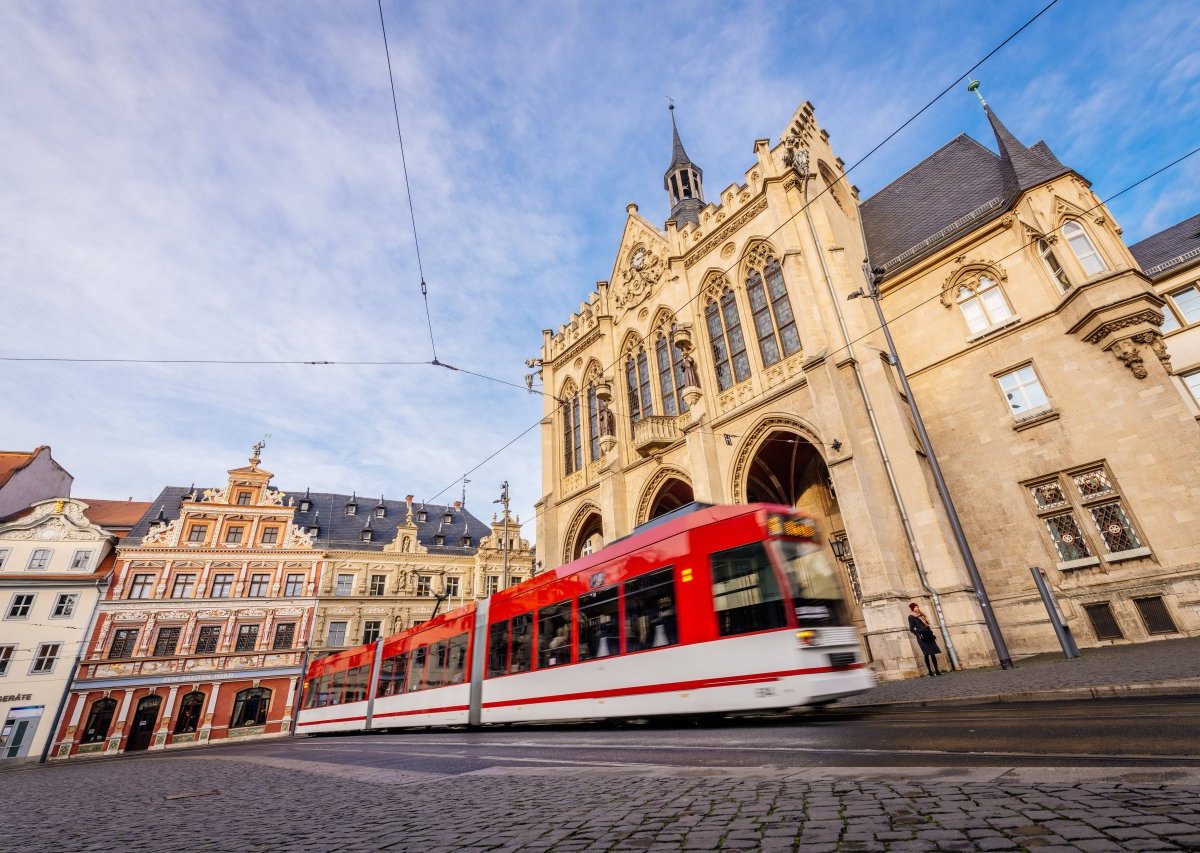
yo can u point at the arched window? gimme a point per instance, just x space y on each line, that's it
983 305
593 423
774 323
725 335
637 378
572 435
250 707
188 719
98 721
831 182
1081 245
670 375
1052 265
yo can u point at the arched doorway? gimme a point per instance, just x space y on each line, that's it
782 465
585 535
673 494
142 729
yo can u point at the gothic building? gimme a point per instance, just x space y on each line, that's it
729 358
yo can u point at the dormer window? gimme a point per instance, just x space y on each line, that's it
422 516
447 518
315 530
466 541
305 505
351 509
366 536
380 511
439 540
243 499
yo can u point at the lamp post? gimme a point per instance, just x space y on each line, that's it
300 692
504 500
960 538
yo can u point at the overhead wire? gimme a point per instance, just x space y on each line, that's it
407 187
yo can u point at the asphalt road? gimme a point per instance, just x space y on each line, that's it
1092 733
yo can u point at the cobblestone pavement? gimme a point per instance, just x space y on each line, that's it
1107 671
229 801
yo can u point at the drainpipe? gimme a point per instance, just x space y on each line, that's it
887 463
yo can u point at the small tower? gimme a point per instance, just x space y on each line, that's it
682 181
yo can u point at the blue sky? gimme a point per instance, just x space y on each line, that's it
204 179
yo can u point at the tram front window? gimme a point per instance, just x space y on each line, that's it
815 591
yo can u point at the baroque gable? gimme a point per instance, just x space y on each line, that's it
55 520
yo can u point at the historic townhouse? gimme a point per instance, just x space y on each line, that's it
55 561
391 565
201 633
734 356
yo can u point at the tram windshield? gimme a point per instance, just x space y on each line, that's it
814 586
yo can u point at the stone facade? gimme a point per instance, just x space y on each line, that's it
728 360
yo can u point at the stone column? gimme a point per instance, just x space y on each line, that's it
209 708
63 749
164 719
118 731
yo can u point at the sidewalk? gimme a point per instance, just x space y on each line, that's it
1163 667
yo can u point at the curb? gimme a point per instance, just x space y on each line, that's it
1176 687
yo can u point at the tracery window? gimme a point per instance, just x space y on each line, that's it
774 323
670 375
637 378
572 434
1052 265
983 305
593 423
1085 251
728 345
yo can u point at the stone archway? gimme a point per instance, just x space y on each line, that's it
585 533
667 490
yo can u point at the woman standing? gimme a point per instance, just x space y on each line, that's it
926 639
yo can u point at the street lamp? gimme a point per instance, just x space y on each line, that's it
960 538
503 499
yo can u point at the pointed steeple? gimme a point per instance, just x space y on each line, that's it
1022 168
683 181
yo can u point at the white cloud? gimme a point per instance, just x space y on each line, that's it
223 180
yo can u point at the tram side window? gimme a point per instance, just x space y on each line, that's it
497 660
746 594
416 668
522 643
318 690
554 635
650 611
435 674
391 675
337 688
456 663
599 633
356 684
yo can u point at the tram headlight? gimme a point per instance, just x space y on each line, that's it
807 638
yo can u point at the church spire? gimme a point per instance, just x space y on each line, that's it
1021 167
682 181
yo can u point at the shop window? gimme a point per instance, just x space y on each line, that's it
250 707
190 709
99 720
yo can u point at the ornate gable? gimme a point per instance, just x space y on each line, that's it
640 263
55 520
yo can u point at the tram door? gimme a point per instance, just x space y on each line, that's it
143 724
17 734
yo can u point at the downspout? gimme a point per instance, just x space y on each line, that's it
862 389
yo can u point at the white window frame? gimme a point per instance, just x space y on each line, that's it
1020 387
1051 262
978 298
227 587
81 559
4 552
7 651
424 585
453 586
1081 234
259 580
146 592
1191 381
39 658
190 585
329 633
12 603
491 584
66 601
1177 317
344 585
44 561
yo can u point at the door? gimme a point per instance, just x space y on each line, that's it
142 731
17 735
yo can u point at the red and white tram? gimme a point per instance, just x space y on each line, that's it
706 609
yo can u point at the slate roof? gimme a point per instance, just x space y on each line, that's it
959 187
338 530
679 157
1160 253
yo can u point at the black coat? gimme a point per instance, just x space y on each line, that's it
926 639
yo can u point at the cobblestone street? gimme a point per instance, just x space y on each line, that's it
252 800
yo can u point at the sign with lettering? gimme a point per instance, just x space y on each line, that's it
16 697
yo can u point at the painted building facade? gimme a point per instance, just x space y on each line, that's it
730 357
201 634
55 562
